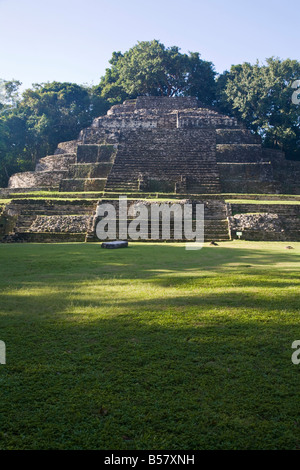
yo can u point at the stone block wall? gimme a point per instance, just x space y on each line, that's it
95 153
165 104
61 224
55 162
286 172
289 210
46 220
166 157
31 179
7 222
215 212
82 184
95 135
239 153
90 170
236 136
204 118
69 147
246 178
154 142
265 221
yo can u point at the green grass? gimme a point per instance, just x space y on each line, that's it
263 196
55 193
74 199
3 202
256 201
151 347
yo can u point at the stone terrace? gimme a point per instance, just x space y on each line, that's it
168 146
168 143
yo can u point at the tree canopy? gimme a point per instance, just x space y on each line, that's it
32 124
151 69
261 96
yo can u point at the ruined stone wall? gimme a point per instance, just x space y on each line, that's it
32 179
204 118
285 209
69 147
95 153
215 218
286 172
236 136
82 184
246 178
7 222
265 221
61 224
31 220
55 162
167 163
90 170
166 104
95 135
239 153
166 157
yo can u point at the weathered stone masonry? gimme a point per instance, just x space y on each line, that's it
168 143
155 145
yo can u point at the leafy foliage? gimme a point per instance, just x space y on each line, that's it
46 115
261 95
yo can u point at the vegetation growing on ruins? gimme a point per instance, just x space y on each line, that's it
158 348
33 124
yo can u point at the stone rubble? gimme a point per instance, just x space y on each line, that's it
61 223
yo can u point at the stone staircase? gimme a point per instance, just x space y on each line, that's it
171 147
90 168
216 226
146 156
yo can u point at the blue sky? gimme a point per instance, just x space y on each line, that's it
72 40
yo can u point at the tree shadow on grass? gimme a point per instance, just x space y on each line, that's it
124 383
201 367
139 261
33 298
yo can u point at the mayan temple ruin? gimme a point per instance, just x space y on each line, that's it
151 149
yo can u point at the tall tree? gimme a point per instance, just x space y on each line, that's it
261 95
46 115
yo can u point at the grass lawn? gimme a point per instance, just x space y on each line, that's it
152 347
